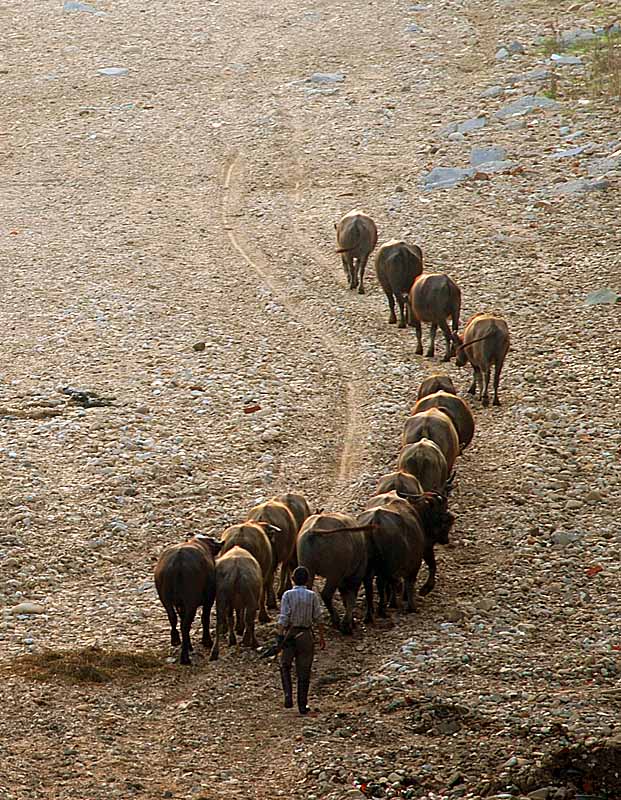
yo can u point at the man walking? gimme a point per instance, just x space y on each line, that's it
299 609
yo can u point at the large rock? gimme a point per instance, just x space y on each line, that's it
483 155
445 177
525 105
574 151
602 297
581 186
469 125
566 61
496 167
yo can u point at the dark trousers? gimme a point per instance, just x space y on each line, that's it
301 647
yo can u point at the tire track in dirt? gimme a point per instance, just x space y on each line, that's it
352 445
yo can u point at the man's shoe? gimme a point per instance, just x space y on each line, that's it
288 702
304 710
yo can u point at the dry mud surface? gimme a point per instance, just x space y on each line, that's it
193 199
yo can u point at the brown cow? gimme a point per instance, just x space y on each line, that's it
239 581
437 426
185 579
356 236
334 546
282 530
434 298
397 265
401 535
486 341
455 408
253 538
401 481
427 463
297 505
436 383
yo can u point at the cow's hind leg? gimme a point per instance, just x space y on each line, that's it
430 559
432 340
402 311
409 593
231 626
327 593
239 626
215 650
187 618
485 386
472 389
263 615
362 263
285 579
419 336
348 266
175 639
348 595
392 319
250 639
206 616
368 596
448 340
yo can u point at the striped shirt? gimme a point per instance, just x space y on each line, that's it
299 608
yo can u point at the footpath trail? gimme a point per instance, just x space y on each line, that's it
193 201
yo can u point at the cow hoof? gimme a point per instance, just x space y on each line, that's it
361 290
392 321
485 401
429 354
419 351
213 656
496 402
185 661
402 325
208 643
447 357
175 641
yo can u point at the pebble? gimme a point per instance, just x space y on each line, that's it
327 77
28 608
113 72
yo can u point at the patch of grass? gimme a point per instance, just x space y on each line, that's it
604 67
87 665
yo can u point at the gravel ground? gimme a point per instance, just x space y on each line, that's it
192 201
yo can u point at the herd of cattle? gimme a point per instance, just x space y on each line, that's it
402 522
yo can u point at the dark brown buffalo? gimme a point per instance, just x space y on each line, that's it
434 298
334 546
401 535
425 461
401 481
397 265
437 426
356 236
436 383
185 579
297 505
253 538
486 341
455 408
239 582
282 530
